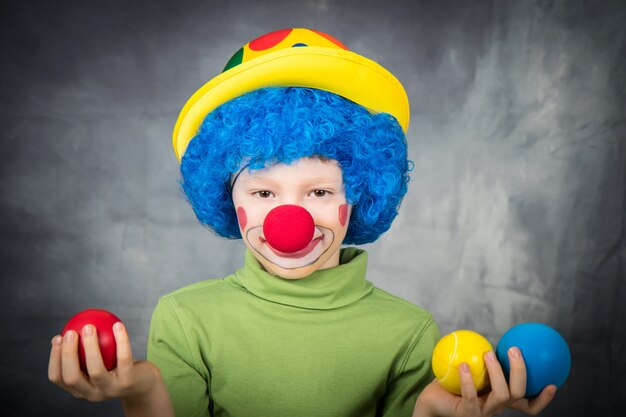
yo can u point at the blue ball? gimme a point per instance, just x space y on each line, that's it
546 355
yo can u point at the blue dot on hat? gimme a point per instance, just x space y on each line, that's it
299 44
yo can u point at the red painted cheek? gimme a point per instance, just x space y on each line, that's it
243 217
343 214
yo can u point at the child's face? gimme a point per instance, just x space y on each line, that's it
311 183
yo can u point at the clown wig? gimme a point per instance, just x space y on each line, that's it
283 124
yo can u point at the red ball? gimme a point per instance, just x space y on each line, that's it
103 322
288 228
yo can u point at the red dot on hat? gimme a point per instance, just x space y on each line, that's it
269 40
288 228
331 38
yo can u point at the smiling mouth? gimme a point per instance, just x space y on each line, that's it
316 248
299 254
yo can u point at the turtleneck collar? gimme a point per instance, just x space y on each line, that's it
322 290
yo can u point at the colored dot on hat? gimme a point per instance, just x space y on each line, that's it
332 39
269 40
299 44
234 60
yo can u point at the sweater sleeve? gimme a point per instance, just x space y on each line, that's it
415 374
169 348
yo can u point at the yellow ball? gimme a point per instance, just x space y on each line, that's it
458 347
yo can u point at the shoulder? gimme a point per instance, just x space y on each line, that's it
203 295
204 288
393 304
392 310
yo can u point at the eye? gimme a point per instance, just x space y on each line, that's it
320 193
264 193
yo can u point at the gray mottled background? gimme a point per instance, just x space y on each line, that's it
515 211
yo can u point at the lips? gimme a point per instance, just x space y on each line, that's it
300 253
321 243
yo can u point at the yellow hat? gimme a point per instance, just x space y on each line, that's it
295 57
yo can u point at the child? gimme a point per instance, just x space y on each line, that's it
297 147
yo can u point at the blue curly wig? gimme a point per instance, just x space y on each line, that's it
284 124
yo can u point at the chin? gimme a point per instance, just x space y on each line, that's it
292 273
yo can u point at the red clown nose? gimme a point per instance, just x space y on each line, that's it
288 228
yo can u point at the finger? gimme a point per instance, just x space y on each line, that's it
469 402
54 365
98 374
72 376
537 404
123 349
499 396
55 372
517 375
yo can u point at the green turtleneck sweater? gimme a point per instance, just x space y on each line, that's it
256 345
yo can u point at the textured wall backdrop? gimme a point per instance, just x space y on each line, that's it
515 211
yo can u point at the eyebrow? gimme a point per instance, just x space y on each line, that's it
324 180
256 178
313 180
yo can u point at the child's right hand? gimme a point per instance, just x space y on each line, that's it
129 380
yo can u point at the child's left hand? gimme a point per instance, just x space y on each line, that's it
436 401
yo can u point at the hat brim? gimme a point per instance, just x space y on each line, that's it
338 71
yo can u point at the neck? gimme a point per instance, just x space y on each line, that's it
333 261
